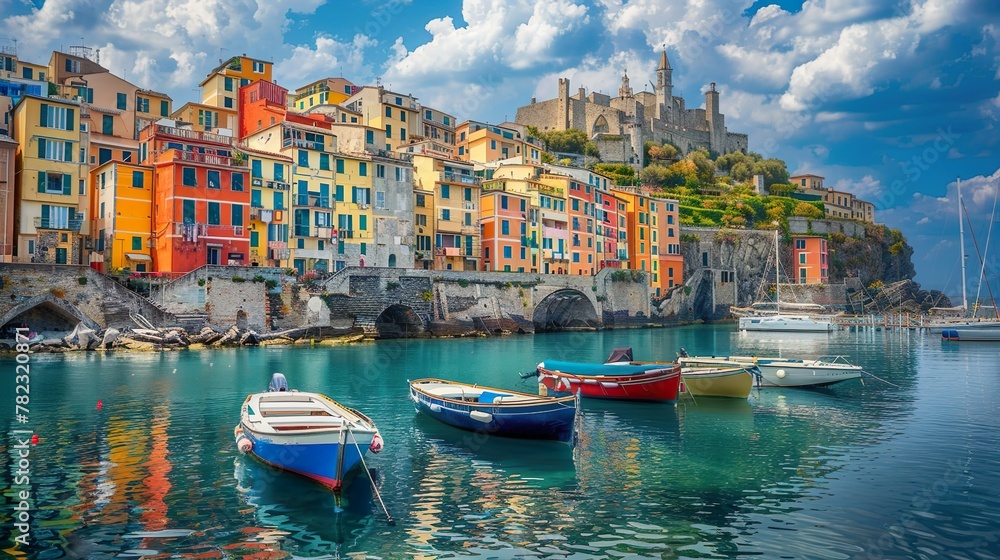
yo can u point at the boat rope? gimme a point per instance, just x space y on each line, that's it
873 376
372 480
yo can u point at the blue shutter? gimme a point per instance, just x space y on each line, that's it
69 119
41 181
41 148
68 152
43 115
67 185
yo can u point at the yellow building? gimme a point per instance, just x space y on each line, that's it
48 165
122 209
328 91
207 118
151 106
270 196
485 143
222 85
313 235
396 114
438 126
18 78
451 191
354 227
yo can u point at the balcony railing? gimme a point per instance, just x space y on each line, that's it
300 143
313 200
193 134
72 224
451 177
448 251
198 157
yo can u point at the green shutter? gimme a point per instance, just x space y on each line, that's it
68 152
41 181
45 215
43 115
41 148
363 222
69 119
67 184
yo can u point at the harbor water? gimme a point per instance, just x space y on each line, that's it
135 456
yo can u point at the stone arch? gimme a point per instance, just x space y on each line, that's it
564 309
600 125
399 321
63 314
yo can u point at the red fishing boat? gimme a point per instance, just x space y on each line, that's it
659 385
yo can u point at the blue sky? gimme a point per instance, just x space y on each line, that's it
891 100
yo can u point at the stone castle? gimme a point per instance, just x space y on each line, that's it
621 125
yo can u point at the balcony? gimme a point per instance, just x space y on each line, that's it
448 251
449 226
301 143
451 177
193 134
197 157
312 200
57 223
554 233
552 255
554 215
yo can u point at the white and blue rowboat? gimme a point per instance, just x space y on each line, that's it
496 411
780 372
306 433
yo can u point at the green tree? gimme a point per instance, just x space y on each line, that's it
774 171
655 175
807 210
705 167
781 189
620 173
590 149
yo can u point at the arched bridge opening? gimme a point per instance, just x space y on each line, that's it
44 313
399 321
565 309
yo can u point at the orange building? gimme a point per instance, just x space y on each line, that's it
638 229
582 247
811 258
669 267
506 239
201 199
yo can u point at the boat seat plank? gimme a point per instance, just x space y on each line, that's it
266 406
301 419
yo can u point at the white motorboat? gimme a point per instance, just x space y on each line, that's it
783 372
787 323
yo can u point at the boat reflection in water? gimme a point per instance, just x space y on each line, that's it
294 515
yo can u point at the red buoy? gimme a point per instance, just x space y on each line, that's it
99 405
34 439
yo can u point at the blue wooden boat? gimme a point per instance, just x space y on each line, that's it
496 411
305 433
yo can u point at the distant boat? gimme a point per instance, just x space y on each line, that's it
724 380
780 372
305 433
496 411
624 381
984 333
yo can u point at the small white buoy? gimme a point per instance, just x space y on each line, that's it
780 374
210 364
175 370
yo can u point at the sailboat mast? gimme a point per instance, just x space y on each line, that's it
777 280
961 242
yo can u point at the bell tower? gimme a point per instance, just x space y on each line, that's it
664 88
625 90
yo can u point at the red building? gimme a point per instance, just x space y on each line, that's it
582 250
608 230
201 198
263 104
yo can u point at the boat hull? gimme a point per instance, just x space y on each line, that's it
785 374
313 456
549 419
784 324
734 383
976 334
656 387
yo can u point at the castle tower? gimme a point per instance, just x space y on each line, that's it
716 121
664 88
625 90
564 109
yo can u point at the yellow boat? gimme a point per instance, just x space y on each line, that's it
735 382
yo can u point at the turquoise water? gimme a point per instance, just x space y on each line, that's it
870 471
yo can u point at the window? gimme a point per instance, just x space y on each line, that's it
258 67
324 162
800 243
72 65
237 214
228 84
214 213
142 104
363 169
388 131
279 172
402 134
363 222
369 136
136 243
255 168
506 252
188 177
227 102
54 183
802 258
338 193
399 101
188 211
420 201
279 201
303 158
137 179
802 275
504 227
447 121
340 166
379 199
55 117
388 111
380 171
427 114
445 191
213 180
122 101
236 182
55 150
164 108
103 155
255 199
446 214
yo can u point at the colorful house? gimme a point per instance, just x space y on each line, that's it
811 258
17 79
506 239
206 118
8 204
201 198
438 126
270 196
457 241
327 91
150 106
220 88
638 224
396 114
122 213
484 143
50 185
669 267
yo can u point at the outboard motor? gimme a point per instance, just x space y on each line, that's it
682 354
278 383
